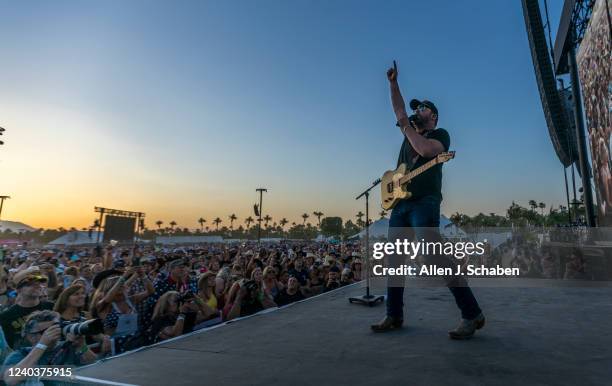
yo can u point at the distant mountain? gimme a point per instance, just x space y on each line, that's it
15 226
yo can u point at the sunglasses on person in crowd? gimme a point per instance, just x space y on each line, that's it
32 280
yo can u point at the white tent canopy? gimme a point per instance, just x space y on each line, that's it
77 238
15 226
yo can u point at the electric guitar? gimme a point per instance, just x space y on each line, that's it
394 184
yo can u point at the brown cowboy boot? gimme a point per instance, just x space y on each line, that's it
389 323
467 328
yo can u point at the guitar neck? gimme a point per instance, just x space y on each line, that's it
419 170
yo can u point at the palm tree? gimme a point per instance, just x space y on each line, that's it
248 221
542 205
283 222
460 219
305 217
232 217
201 221
172 225
514 212
217 221
267 219
318 216
383 213
159 223
533 204
359 218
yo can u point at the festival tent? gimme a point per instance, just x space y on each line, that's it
450 230
77 238
494 239
15 226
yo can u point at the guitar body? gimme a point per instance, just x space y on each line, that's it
391 190
394 184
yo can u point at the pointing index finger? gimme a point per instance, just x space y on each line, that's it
394 66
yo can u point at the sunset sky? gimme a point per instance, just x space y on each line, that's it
181 109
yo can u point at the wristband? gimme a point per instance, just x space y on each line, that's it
403 122
181 317
41 346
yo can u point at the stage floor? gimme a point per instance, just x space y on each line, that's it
533 336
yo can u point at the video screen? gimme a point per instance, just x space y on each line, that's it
595 69
119 228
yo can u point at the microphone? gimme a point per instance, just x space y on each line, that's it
414 119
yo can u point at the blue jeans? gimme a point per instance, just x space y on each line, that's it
423 214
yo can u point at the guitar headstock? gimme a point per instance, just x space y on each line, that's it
446 156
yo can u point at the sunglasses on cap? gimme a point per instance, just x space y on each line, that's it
32 279
421 107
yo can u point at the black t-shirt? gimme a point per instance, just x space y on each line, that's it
429 183
13 319
283 298
250 307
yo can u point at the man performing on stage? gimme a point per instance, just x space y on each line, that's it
420 213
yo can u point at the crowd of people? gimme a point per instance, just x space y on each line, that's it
547 262
74 306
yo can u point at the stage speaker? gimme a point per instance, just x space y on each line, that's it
556 118
567 104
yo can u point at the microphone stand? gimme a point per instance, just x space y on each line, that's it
367 299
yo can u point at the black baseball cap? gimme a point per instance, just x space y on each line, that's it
415 103
103 275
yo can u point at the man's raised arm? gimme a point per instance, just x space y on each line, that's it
399 107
